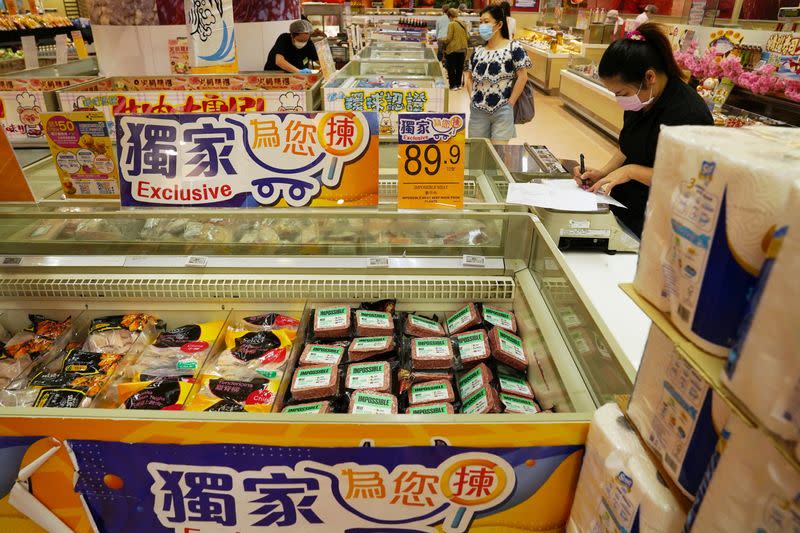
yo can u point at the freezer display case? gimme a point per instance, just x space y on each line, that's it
389 88
419 52
190 318
244 92
24 98
79 67
581 91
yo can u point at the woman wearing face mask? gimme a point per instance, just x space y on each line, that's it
495 78
641 72
293 51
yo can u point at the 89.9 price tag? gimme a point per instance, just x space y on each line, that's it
431 161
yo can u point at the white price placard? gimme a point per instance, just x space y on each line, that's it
470 260
378 262
196 261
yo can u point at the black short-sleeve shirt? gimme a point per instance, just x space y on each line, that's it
299 57
678 105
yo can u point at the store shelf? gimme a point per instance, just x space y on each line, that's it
708 366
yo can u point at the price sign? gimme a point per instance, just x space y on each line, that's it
431 161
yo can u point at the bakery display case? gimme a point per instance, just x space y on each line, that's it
582 92
550 52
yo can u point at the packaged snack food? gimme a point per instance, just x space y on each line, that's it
256 395
373 323
161 393
42 337
332 322
366 347
469 382
368 402
431 392
117 333
315 382
178 350
419 326
316 408
375 376
431 409
473 347
484 400
499 318
507 349
517 404
321 354
269 321
431 353
516 385
464 319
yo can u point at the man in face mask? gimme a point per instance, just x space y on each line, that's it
293 51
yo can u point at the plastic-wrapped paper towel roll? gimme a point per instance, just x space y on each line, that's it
763 367
677 413
716 198
753 488
619 488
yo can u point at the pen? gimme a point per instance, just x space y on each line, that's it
583 171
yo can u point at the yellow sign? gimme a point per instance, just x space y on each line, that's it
80 45
431 161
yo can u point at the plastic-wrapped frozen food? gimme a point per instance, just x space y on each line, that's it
117 333
42 337
431 409
364 348
464 319
256 395
485 400
375 376
431 391
268 322
373 323
177 350
260 233
471 381
249 354
369 402
420 326
507 349
499 318
162 393
332 322
315 383
321 354
517 404
473 347
97 229
315 408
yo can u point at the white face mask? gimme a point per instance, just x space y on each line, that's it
299 44
632 103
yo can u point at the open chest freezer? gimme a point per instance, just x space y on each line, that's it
96 264
395 52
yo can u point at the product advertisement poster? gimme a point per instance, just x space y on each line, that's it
244 487
431 161
248 160
326 64
83 154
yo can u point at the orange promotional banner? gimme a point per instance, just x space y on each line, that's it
431 161
15 187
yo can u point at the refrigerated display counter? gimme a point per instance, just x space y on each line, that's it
374 52
80 67
582 92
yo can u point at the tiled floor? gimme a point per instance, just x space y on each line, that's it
564 133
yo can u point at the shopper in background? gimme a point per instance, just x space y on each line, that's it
612 17
293 51
455 49
495 78
512 23
442 23
641 72
644 16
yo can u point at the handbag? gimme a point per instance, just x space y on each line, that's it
524 110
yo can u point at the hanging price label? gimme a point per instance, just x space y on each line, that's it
431 161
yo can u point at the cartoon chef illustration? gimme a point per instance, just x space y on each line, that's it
289 102
28 111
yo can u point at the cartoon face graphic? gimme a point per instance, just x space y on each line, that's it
28 109
290 102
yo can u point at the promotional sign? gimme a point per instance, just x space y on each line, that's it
178 55
248 160
62 50
783 51
30 51
191 94
80 44
22 101
212 36
83 154
431 161
15 187
326 64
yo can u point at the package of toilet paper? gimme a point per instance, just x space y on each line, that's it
717 196
751 488
763 368
678 414
619 489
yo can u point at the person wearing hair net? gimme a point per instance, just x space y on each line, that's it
293 51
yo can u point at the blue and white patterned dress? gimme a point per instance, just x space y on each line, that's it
494 73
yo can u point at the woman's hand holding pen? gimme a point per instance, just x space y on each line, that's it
587 178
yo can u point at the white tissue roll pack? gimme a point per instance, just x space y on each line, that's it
717 196
619 488
678 414
752 488
763 367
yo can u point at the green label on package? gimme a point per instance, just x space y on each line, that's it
312 378
370 343
477 403
518 405
324 354
374 319
367 376
332 317
514 384
511 344
185 364
426 323
426 393
498 318
437 409
372 404
459 320
438 347
307 409
472 345
470 382
269 374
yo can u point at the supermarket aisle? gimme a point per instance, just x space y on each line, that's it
554 126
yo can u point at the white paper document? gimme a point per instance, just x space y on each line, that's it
560 194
